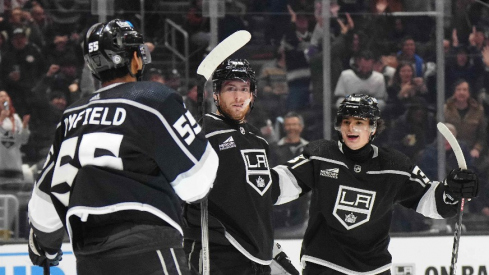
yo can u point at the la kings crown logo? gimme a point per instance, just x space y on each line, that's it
257 171
353 206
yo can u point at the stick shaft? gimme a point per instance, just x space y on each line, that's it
205 237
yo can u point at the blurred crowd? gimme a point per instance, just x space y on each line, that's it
377 48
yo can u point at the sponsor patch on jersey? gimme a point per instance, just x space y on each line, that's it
330 173
257 169
353 206
227 144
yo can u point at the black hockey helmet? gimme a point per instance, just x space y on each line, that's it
111 45
234 69
361 106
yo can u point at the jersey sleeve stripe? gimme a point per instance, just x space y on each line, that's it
259 137
194 184
300 163
148 109
289 188
397 172
427 204
330 160
211 134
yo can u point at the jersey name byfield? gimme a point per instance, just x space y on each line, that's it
95 116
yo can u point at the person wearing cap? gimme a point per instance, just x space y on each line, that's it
22 67
355 186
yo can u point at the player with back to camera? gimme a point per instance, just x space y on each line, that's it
354 187
121 162
240 203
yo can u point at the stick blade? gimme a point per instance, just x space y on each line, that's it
222 51
459 155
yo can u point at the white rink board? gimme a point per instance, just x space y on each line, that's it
420 255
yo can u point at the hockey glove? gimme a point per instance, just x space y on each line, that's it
461 184
281 263
39 256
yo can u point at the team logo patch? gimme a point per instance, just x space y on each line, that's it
330 173
257 170
353 206
8 140
228 143
357 168
242 130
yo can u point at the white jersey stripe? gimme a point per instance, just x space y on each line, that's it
329 160
219 132
427 204
289 188
307 258
148 109
244 252
83 212
190 186
259 137
177 266
162 261
397 172
300 163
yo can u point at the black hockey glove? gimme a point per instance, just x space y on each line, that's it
281 263
39 256
461 184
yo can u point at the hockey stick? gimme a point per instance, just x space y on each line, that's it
45 268
463 165
220 53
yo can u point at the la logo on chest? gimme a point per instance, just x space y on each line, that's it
353 206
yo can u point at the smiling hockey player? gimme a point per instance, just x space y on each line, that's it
355 186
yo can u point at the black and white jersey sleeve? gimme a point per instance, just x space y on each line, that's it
130 146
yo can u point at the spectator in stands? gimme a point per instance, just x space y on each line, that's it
414 130
22 67
272 87
363 79
403 88
290 146
191 100
197 25
173 79
19 18
382 65
154 74
408 53
467 115
47 108
14 132
295 41
463 62
60 47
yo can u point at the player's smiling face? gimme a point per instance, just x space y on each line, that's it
235 98
355 132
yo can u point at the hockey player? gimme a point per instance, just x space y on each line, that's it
240 203
120 164
354 187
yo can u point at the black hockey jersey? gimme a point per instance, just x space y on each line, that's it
241 201
352 204
130 147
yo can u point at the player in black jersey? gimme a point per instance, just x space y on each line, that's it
121 163
241 201
354 187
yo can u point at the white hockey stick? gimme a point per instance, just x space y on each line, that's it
463 165
219 54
